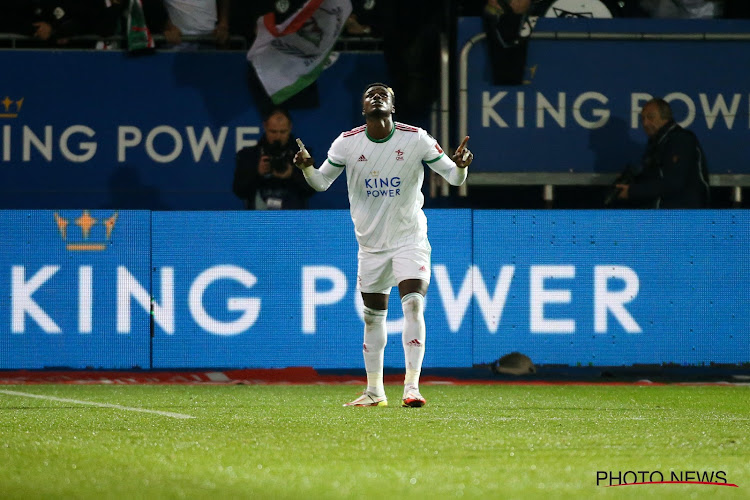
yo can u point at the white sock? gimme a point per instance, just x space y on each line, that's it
373 349
413 337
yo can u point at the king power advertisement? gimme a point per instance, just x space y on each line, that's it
578 107
139 289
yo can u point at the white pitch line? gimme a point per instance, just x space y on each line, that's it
91 403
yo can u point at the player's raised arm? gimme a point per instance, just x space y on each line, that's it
319 179
453 168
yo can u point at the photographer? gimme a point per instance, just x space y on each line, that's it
264 176
673 172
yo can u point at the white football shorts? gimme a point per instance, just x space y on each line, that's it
378 272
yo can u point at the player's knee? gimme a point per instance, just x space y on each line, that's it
412 305
374 316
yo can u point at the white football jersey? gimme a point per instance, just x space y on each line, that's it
384 179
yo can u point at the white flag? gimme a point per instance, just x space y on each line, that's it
288 57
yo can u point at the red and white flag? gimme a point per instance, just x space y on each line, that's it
288 57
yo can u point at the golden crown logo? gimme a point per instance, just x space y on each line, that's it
85 222
8 110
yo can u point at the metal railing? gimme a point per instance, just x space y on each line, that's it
15 41
353 44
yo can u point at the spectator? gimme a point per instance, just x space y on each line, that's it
104 18
363 20
49 21
264 176
502 22
196 17
673 172
353 27
243 16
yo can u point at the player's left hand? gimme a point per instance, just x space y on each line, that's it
463 157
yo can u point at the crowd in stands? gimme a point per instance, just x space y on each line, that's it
53 22
58 23
674 9
408 32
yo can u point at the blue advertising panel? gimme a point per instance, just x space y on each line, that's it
75 289
578 107
235 289
100 129
278 289
612 287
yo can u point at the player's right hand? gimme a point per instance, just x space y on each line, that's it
301 161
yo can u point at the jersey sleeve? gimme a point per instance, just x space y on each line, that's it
337 153
321 178
432 150
439 162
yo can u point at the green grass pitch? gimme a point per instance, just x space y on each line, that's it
295 442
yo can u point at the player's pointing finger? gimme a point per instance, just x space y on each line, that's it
463 143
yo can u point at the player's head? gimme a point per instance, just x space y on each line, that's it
277 125
654 115
378 100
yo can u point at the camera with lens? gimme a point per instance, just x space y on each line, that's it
279 156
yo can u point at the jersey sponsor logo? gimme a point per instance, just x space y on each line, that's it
399 155
362 158
385 187
437 146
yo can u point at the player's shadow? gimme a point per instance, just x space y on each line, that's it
129 192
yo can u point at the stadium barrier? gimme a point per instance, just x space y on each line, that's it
558 130
230 289
160 131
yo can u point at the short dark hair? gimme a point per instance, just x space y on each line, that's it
277 110
378 84
665 110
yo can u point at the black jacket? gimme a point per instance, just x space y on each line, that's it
64 16
673 171
291 193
